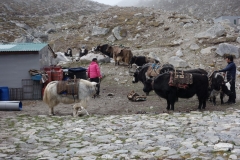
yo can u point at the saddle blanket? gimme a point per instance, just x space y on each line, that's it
180 79
68 87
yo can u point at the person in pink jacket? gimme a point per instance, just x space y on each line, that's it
94 73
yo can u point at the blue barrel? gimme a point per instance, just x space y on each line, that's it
4 94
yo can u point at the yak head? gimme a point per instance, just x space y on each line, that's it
136 74
135 77
219 84
133 60
148 85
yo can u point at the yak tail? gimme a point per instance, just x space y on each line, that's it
45 95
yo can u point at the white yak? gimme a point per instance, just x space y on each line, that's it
86 90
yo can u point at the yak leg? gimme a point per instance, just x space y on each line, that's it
221 97
168 105
118 60
172 105
200 103
144 89
214 100
51 106
172 98
115 59
204 104
51 110
210 99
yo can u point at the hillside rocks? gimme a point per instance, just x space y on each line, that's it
205 9
216 30
225 48
50 7
116 32
99 31
208 50
179 53
194 47
143 30
218 33
24 39
178 62
111 38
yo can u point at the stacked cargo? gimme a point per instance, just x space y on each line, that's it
55 73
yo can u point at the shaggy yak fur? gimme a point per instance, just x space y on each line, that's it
218 85
120 54
103 48
86 90
161 87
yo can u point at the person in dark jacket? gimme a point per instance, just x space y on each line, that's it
230 70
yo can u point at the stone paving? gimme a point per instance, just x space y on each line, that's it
194 135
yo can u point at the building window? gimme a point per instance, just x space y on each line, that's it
235 22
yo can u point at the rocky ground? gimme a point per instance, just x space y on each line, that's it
177 136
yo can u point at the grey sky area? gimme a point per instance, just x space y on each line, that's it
108 2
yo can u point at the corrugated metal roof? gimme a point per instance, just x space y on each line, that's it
22 47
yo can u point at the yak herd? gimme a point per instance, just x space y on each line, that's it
166 81
172 84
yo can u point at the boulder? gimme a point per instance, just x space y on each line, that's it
116 32
179 53
207 50
111 38
177 62
188 25
194 47
138 15
218 40
24 39
215 31
99 31
238 40
225 48
49 31
23 25
152 55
